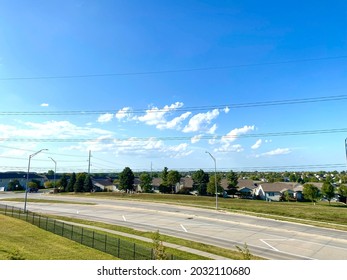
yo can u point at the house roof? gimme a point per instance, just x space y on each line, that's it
102 182
186 182
277 187
246 184
156 182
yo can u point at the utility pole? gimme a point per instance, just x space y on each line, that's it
215 177
90 153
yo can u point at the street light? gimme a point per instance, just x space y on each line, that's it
55 171
27 182
215 177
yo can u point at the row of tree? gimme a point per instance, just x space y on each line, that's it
203 182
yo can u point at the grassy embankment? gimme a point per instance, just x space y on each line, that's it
21 240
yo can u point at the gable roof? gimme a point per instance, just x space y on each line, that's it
277 187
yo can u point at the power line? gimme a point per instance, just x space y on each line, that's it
171 71
185 109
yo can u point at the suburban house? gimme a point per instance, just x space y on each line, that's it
273 191
104 184
7 177
246 188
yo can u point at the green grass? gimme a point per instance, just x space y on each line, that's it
321 214
21 240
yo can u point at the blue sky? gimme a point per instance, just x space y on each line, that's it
159 83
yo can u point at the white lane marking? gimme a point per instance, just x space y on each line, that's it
124 218
184 228
272 247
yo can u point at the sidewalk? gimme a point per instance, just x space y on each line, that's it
175 246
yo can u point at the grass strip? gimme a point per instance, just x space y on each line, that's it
22 240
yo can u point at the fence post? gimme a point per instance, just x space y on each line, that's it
71 232
54 226
62 231
118 248
39 221
33 220
93 240
82 236
6 210
105 243
12 211
134 251
26 218
46 223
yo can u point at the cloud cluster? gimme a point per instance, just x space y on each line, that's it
160 118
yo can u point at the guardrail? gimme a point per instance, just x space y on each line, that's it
117 247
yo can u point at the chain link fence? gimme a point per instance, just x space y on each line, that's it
117 247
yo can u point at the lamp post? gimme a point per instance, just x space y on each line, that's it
55 171
27 181
215 178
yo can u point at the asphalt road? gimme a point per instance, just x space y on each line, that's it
268 238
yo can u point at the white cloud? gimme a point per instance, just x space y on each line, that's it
235 133
229 138
174 123
44 105
257 144
226 110
276 152
198 121
105 118
213 129
157 117
124 113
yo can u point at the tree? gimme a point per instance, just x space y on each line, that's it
343 192
126 179
50 172
232 182
164 174
63 183
211 187
158 247
173 177
79 184
88 184
146 182
70 186
200 179
311 192
328 190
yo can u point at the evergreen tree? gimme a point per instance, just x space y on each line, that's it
164 174
79 184
88 184
63 183
200 179
70 186
232 182
126 179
